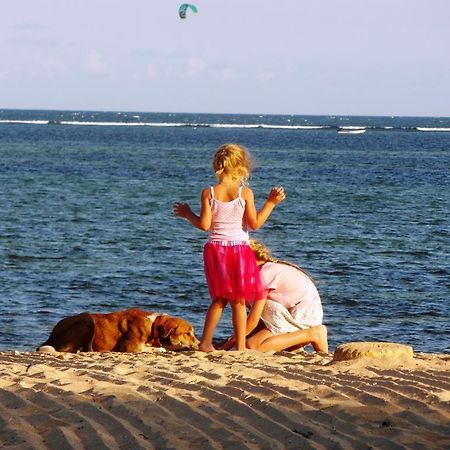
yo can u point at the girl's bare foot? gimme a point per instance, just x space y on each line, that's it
206 348
320 343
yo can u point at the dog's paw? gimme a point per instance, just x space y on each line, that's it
150 349
46 349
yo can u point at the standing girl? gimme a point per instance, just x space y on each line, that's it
227 209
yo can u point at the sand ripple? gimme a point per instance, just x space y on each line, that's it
222 400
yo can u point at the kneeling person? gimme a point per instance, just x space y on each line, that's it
292 311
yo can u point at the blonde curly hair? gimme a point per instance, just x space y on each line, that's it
233 160
262 253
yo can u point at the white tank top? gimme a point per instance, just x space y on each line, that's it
227 224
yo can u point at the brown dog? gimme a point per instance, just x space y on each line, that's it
121 331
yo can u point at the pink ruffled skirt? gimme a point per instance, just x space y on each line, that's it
231 272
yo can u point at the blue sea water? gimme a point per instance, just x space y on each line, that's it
86 218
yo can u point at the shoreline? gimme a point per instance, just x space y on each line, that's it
252 400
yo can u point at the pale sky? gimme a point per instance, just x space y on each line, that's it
358 57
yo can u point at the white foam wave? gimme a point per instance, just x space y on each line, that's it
294 127
33 122
231 125
159 124
123 124
208 125
263 125
433 129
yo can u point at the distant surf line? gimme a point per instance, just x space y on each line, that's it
218 125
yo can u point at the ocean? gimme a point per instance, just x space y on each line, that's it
86 220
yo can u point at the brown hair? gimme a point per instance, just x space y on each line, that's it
233 160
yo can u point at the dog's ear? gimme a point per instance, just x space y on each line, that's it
157 327
165 330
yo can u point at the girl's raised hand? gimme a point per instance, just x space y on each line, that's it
276 195
181 209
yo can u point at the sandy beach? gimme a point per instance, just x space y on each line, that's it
193 400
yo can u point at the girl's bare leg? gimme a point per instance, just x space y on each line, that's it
239 318
211 320
316 336
254 341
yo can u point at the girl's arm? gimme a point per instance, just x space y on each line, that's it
255 219
254 315
203 222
